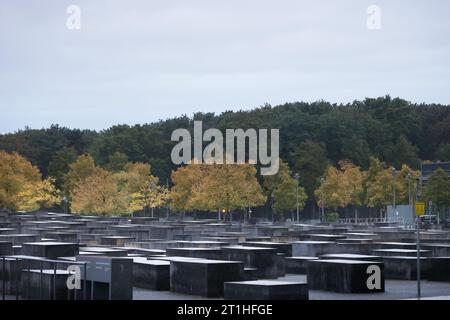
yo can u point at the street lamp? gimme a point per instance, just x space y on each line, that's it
321 201
394 174
65 201
167 202
408 176
418 190
272 197
223 212
297 177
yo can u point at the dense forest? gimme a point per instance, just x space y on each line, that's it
312 135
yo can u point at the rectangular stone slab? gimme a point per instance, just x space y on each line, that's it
338 275
438 269
297 265
203 277
266 290
350 256
265 260
285 248
118 241
62 236
311 248
325 237
250 274
362 235
110 252
151 274
160 245
404 267
401 252
30 285
11 275
143 252
204 253
201 244
50 250
5 248
438 249
8 230
18 239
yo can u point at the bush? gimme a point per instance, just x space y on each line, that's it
331 217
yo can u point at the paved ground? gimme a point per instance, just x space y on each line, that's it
395 289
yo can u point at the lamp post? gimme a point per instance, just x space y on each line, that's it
272 197
65 201
321 200
297 177
419 180
167 204
394 174
408 176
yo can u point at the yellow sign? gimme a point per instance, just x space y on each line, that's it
420 208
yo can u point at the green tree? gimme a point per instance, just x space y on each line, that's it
443 153
59 164
437 189
403 152
310 162
283 187
117 162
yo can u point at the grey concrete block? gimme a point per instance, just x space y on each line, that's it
266 290
349 276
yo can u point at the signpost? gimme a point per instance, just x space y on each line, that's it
420 211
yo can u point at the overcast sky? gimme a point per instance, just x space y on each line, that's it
139 61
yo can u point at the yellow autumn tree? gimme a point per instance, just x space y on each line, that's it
331 192
186 179
42 194
228 187
380 184
353 182
95 190
341 187
83 167
21 185
379 190
216 187
143 188
100 194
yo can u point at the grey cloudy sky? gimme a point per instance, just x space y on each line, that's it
139 61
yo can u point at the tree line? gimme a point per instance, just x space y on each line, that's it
124 187
312 137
